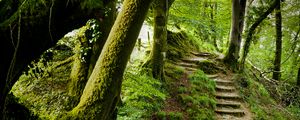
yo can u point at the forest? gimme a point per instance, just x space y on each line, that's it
150 60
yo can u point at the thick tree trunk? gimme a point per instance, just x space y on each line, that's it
237 24
28 30
159 38
277 61
106 18
102 92
250 33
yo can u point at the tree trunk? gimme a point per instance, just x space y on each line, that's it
106 17
79 71
28 30
102 92
213 13
250 33
277 61
159 38
298 77
237 24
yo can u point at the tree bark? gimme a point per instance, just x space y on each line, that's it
237 24
298 77
79 70
106 18
277 61
28 30
102 92
213 13
159 39
250 33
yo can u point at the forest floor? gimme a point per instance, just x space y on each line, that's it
229 104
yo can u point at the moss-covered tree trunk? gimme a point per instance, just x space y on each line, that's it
27 30
83 65
159 38
107 18
102 92
277 61
80 66
251 31
237 24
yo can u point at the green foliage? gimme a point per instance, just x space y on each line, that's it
43 87
198 98
141 96
170 115
262 51
207 21
262 105
91 4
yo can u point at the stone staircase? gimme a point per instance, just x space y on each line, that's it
229 103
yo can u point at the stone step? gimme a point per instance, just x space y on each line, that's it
191 69
188 65
222 88
224 82
212 76
230 111
228 103
191 61
227 96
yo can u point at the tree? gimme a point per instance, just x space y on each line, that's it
298 77
250 32
107 18
237 24
158 54
277 61
81 70
102 91
27 30
213 13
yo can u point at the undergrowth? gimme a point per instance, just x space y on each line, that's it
199 98
141 96
194 92
261 104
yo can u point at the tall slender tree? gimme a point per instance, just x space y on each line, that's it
277 61
250 32
160 38
237 24
298 76
102 91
